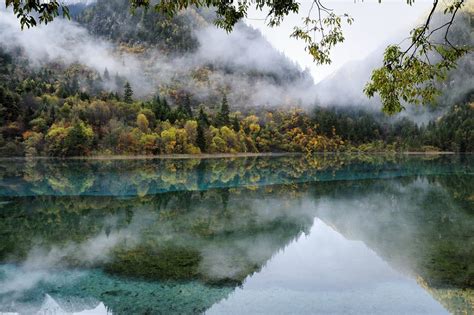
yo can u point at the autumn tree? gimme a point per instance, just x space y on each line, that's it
79 139
75 140
142 123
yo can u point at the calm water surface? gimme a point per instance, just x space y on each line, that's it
260 235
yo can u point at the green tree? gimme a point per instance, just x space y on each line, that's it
201 137
160 108
203 119
235 124
223 115
184 108
79 139
127 93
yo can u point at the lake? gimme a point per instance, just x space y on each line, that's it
330 234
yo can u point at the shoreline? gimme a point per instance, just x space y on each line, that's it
157 157
182 156
227 155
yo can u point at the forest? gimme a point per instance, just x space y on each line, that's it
65 109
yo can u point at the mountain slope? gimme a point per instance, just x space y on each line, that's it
345 86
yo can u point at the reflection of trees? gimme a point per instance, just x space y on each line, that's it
179 233
421 224
142 177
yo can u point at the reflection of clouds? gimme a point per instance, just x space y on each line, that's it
235 231
41 262
323 273
92 251
246 231
14 281
87 292
257 234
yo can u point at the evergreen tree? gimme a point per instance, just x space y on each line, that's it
185 107
183 111
160 108
223 115
127 93
166 109
200 137
106 74
203 119
235 124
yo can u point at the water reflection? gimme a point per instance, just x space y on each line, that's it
223 235
324 273
20 177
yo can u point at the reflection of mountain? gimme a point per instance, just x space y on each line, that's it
77 307
193 248
422 226
454 300
215 236
212 240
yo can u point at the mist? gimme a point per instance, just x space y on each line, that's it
42 263
344 88
244 64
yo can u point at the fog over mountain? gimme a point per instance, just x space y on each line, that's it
190 55
345 87
208 62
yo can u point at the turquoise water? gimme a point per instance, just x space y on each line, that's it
261 235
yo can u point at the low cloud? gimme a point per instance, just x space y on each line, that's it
242 63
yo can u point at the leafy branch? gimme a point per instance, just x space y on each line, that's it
32 12
409 75
321 33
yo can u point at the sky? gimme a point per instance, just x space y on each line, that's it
375 25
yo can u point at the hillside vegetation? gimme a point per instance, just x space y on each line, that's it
208 101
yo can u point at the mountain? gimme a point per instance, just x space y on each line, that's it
345 86
184 55
110 82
